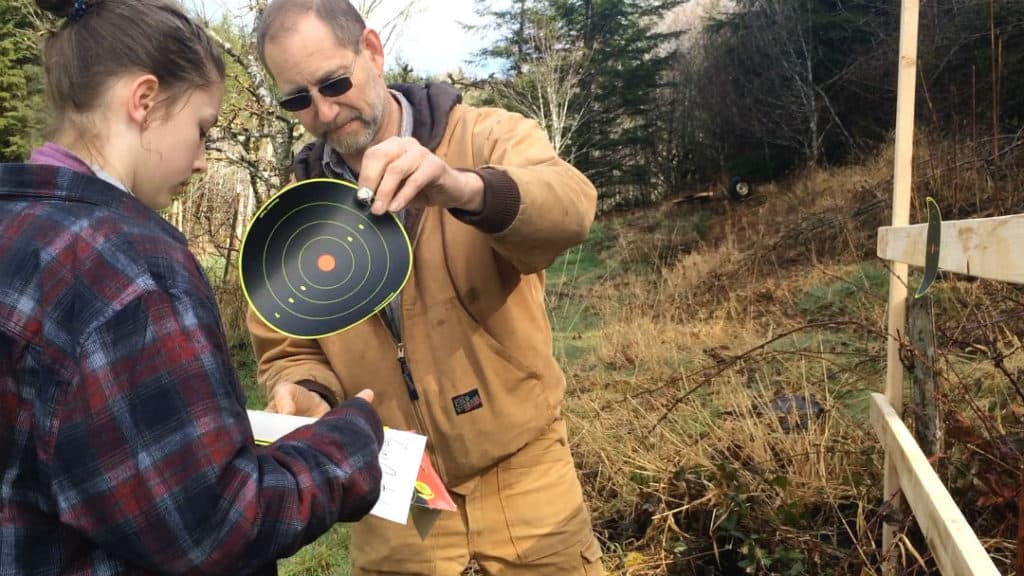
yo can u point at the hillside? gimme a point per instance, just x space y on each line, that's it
720 356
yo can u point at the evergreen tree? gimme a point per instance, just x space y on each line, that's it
628 65
618 61
22 101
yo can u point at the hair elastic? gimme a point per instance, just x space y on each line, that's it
78 9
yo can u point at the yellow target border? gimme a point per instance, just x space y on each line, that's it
270 204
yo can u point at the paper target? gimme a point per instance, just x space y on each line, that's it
315 261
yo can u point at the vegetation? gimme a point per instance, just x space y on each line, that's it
720 365
21 89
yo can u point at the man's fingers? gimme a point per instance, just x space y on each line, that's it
282 401
393 165
375 162
428 172
395 173
405 174
366 394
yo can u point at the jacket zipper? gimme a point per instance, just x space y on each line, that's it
403 363
414 397
410 385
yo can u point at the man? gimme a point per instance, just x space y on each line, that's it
464 355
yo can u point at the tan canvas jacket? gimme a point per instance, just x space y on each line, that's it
474 324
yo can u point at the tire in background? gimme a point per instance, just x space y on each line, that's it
739 189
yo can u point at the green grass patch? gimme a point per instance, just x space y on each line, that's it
575 348
573 320
585 264
862 289
572 315
578 267
855 403
327 556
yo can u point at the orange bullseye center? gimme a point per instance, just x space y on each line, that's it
325 263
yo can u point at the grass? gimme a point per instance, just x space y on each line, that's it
865 284
698 321
327 556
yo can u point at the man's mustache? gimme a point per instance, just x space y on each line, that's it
335 124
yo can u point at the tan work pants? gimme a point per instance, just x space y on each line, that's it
526 516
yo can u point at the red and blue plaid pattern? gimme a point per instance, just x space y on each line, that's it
124 443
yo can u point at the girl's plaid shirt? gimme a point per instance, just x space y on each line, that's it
124 443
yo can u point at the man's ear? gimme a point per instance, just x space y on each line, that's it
142 98
375 48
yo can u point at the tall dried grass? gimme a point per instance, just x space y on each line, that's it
709 318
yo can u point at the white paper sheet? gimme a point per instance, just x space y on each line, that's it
399 464
267 426
399 460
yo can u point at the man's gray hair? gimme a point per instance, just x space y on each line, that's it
344 20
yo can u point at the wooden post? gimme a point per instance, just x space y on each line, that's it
902 173
927 416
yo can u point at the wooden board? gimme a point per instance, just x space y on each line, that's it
955 547
990 248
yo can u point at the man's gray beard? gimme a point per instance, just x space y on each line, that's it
356 143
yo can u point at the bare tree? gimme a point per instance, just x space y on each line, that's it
790 113
390 23
548 85
773 66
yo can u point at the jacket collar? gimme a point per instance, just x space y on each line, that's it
43 182
432 105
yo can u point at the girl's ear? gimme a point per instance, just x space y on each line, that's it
142 98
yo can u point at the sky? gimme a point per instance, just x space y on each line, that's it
432 41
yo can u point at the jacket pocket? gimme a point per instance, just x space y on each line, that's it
489 403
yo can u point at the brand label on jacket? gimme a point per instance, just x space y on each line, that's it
465 403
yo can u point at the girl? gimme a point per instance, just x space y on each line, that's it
124 443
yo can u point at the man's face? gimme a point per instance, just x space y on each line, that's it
303 55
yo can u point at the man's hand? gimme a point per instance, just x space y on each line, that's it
401 171
290 398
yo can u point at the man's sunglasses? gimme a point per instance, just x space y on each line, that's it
301 100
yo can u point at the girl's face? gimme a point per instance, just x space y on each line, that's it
174 146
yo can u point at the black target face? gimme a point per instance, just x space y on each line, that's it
315 261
